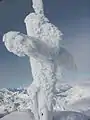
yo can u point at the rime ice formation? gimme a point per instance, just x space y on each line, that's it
42 46
38 6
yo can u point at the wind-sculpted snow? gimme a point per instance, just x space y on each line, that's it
47 58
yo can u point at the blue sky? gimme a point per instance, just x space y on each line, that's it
73 19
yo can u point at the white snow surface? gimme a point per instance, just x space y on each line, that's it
18 116
58 116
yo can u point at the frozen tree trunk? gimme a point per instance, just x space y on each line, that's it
44 113
43 71
44 78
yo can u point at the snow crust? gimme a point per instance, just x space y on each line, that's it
59 116
19 116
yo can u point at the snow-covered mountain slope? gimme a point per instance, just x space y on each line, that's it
11 100
70 115
68 98
75 98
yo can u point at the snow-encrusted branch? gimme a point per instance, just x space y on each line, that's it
21 45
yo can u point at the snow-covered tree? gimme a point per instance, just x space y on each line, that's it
42 46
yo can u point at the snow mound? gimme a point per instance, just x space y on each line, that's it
65 115
75 98
18 116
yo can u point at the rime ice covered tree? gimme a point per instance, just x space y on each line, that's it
42 46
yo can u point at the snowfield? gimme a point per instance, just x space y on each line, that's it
18 116
66 115
72 101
